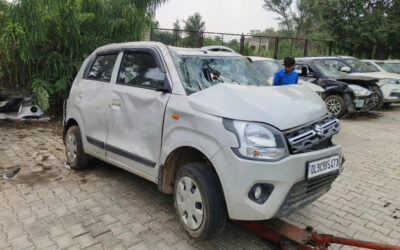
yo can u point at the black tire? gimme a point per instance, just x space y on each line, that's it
377 98
336 105
213 203
81 159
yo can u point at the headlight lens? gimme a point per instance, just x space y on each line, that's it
390 81
257 141
359 91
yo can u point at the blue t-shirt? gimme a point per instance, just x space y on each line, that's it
283 78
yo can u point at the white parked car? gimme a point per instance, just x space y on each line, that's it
204 127
268 67
388 66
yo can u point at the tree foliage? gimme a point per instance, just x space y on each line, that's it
363 28
43 42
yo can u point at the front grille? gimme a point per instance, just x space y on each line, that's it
313 136
395 94
305 192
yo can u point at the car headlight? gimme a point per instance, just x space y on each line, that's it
257 141
390 81
359 91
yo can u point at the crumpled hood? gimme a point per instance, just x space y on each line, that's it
284 107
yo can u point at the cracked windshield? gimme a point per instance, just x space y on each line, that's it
201 72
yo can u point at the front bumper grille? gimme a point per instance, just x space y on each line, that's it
395 94
313 136
305 192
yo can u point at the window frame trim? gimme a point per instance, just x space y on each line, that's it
92 60
157 59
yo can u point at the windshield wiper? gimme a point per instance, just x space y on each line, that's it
188 75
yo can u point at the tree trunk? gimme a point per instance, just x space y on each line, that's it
380 51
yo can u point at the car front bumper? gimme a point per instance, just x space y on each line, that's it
391 93
288 176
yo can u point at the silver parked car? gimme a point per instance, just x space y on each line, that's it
205 127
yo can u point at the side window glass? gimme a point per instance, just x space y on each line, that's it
141 70
102 68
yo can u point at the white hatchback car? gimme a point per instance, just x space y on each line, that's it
205 127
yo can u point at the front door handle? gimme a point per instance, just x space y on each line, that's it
116 103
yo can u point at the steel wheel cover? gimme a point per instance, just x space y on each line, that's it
189 202
72 148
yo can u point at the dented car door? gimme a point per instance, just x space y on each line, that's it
136 113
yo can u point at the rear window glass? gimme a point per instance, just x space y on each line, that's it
102 68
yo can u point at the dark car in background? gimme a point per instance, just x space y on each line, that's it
341 96
385 87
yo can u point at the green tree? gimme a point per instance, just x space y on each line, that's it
43 42
284 10
193 25
364 28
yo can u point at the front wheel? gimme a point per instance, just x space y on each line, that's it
336 105
199 201
376 101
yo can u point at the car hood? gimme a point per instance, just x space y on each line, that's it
283 107
377 75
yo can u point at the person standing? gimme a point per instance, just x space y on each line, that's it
286 76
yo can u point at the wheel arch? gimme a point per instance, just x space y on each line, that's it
176 159
70 122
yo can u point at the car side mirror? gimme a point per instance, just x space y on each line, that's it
345 69
312 75
166 88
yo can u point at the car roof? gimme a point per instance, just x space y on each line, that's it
200 52
310 58
259 58
372 60
146 44
217 47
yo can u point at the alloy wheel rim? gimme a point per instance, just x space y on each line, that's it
71 148
374 100
190 203
334 106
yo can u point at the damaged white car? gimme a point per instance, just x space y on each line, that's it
205 127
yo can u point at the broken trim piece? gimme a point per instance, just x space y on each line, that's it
95 142
130 155
120 152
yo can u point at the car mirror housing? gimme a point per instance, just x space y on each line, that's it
166 88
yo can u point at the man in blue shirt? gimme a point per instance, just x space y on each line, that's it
286 76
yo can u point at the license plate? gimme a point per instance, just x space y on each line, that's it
323 166
359 103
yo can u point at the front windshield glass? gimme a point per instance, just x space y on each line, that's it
200 72
359 65
390 67
268 68
328 69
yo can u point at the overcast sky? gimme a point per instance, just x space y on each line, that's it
231 16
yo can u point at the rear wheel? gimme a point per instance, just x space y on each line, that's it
76 156
199 201
336 105
376 101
